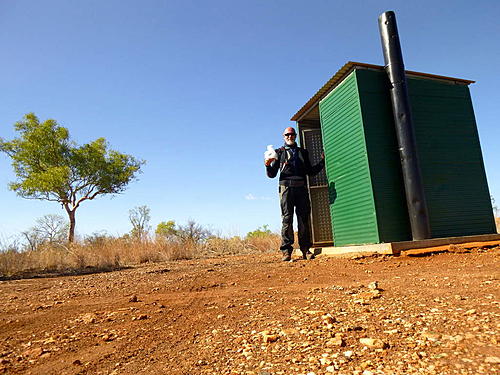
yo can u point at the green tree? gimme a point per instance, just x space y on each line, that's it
49 166
166 230
260 232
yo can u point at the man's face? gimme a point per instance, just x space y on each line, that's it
289 138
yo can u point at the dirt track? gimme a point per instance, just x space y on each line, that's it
436 314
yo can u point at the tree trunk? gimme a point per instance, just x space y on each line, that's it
72 224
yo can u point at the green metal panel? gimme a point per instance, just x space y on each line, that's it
383 156
450 157
366 193
352 204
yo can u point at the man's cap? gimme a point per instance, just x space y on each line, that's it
289 130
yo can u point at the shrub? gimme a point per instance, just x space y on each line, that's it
190 233
263 231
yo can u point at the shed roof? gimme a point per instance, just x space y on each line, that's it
347 69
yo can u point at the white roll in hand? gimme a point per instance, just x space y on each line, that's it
270 153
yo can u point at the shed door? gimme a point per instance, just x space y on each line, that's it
318 191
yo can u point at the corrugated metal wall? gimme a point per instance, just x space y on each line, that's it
450 155
366 192
383 156
352 205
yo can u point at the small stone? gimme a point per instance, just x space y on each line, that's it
77 362
266 338
89 318
289 332
108 337
494 360
458 338
325 361
336 341
33 353
361 301
328 319
373 343
431 336
133 298
391 331
348 354
373 285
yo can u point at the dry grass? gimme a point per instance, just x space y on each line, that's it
236 245
497 221
111 253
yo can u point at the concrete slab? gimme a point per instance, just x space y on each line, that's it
409 247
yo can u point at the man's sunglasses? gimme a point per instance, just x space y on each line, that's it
290 135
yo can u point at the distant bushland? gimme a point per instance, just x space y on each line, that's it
101 252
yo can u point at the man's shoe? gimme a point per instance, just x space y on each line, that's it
308 255
286 257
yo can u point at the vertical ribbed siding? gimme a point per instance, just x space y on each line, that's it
383 156
351 199
451 161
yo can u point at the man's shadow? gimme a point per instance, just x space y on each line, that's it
332 193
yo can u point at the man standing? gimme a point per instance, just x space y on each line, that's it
293 163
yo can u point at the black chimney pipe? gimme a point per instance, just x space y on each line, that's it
415 197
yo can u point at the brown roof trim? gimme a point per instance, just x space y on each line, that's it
346 70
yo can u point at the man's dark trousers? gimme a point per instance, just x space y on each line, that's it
298 198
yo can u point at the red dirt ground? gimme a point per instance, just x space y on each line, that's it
433 314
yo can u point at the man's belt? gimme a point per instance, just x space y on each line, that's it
293 183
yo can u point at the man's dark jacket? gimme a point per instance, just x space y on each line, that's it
294 163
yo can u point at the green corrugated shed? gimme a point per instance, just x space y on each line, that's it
366 193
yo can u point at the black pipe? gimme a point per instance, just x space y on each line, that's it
394 66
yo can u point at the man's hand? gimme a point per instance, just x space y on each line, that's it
268 162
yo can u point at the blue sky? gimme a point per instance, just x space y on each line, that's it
199 88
